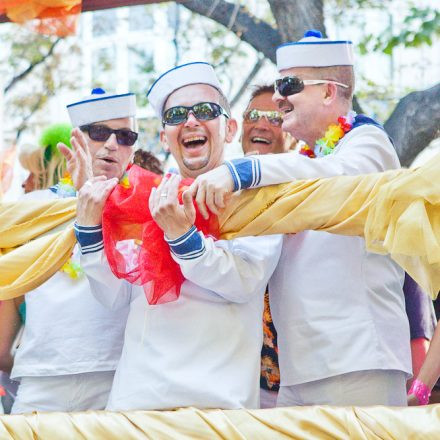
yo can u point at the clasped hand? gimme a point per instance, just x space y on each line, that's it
212 190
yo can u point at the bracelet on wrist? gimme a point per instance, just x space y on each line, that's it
420 391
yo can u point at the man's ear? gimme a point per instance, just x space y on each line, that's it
331 93
231 130
163 141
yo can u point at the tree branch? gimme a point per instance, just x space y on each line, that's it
259 34
31 67
414 123
34 109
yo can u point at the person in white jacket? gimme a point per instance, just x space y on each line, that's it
202 349
71 344
339 310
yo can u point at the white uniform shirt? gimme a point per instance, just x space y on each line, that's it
202 350
336 307
67 331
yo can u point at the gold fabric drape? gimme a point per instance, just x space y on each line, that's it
397 212
26 263
313 422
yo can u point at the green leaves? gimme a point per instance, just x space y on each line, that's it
419 28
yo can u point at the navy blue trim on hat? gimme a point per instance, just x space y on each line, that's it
175 68
99 99
295 43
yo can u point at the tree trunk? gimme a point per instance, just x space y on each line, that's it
414 123
294 17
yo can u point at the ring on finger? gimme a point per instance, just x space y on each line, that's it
164 194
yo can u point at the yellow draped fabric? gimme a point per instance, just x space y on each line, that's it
26 263
313 422
397 212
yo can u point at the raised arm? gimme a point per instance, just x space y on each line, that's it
371 153
109 290
234 270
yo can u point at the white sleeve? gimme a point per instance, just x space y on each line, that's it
110 291
233 269
367 149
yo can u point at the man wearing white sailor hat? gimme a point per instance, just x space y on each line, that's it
105 131
339 311
203 349
71 343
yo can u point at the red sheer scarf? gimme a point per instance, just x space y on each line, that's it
127 220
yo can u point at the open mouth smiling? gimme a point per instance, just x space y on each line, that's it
260 140
194 141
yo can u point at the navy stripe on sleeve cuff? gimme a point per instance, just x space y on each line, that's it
234 174
245 171
89 238
188 246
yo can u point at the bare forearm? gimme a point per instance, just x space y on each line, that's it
430 371
9 326
6 362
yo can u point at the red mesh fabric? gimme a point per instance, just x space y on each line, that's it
126 216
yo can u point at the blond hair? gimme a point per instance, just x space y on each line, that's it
46 172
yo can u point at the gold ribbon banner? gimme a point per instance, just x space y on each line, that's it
397 212
312 422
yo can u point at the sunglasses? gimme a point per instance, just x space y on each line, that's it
203 111
253 115
101 133
290 85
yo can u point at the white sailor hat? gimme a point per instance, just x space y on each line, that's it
192 73
314 51
101 106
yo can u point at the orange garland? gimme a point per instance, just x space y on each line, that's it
55 17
